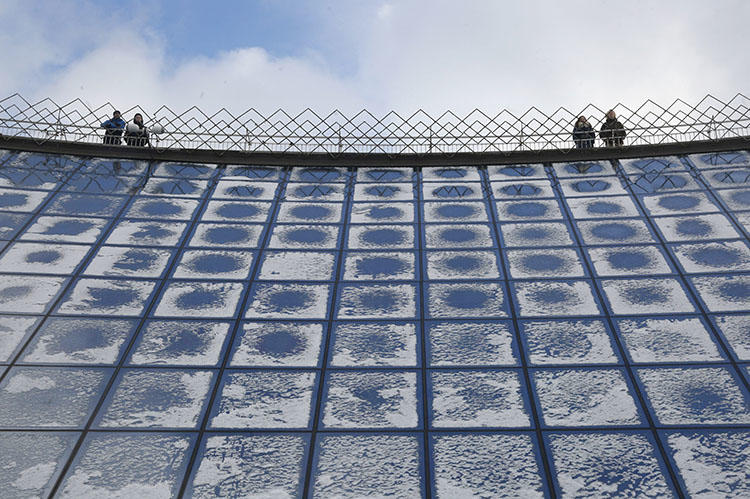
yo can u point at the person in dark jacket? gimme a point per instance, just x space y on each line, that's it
583 133
136 133
113 129
612 132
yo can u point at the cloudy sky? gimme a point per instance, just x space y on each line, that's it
374 54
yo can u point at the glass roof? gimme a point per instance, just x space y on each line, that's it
528 330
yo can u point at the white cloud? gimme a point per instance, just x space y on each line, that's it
410 54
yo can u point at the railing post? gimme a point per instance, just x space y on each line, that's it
713 128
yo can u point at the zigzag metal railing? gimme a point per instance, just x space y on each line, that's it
365 133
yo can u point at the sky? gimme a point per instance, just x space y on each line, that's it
378 55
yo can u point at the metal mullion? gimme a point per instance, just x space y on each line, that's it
308 470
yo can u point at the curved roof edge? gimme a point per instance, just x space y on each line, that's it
357 159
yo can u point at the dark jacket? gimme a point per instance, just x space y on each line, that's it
583 136
113 130
138 138
612 133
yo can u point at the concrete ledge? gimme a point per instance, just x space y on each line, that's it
364 159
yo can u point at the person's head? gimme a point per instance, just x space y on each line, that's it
611 114
116 115
138 118
581 121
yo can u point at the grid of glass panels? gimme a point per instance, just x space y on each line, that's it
201 330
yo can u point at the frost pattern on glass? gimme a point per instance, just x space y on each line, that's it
140 233
568 342
28 294
585 397
43 258
199 299
304 237
704 395
469 399
597 208
128 465
451 265
469 236
282 344
29 462
696 228
376 301
288 301
485 466
471 344
555 298
607 465
458 212
536 234
79 341
65 229
358 344
264 399
180 343
668 340
358 465
128 262
297 266
156 399
379 266
544 263
628 261
715 463
371 400
724 293
55 397
466 300
249 466
647 296
714 257
107 297
735 328
214 264
12 331
226 235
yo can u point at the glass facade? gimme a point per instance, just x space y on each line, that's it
526 330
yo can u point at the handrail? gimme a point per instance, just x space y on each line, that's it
364 133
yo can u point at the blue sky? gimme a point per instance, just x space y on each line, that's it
375 54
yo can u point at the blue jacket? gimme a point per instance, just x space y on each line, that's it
114 123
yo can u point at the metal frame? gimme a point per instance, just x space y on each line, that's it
336 134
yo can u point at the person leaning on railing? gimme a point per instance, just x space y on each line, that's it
583 133
612 132
136 133
113 129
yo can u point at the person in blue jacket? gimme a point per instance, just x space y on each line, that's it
113 129
583 133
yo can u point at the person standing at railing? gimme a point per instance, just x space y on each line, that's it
113 129
583 133
612 132
136 133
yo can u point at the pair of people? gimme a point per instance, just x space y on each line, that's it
612 132
136 133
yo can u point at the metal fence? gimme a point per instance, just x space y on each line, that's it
391 134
